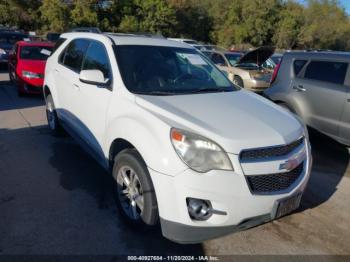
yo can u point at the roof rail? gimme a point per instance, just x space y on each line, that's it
136 34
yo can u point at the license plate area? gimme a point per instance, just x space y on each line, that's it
287 205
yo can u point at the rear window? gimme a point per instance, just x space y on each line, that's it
332 72
35 52
298 66
58 43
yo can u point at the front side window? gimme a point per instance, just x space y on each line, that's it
96 58
35 52
159 70
74 54
332 72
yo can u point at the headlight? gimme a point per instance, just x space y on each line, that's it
31 75
2 51
199 153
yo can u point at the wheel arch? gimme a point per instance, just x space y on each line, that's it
153 144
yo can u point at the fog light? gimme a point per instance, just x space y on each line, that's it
199 209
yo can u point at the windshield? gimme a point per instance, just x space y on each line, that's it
35 52
158 70
233 58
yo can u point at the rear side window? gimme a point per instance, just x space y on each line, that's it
298 66
59 42
74 54
218 59
96 58
333 72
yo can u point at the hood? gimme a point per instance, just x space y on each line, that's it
35 66
235 120
257 56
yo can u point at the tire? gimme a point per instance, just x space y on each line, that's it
11 76
20 93
52 118
137 203
238 81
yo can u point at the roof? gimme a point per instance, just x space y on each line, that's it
317 54
35 43
222 52
129 39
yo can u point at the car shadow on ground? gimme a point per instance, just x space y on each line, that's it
330 165
9 99
80 172
3 68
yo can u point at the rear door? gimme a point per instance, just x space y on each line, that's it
319 94
67 79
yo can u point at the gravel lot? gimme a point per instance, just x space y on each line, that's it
54 199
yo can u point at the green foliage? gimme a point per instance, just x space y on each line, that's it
284 23
20 14
54 15
291 20
326 26
84 13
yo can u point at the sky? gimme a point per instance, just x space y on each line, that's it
344 3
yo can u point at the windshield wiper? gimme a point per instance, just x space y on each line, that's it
157 93
209 90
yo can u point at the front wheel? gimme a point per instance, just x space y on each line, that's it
51 114
135 195
238 81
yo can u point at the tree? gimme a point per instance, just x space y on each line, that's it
84 13
326 26
156 16
193 20
291 19
251 22
20 14
55 15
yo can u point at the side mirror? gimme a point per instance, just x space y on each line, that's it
93 77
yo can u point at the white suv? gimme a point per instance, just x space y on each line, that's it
184 145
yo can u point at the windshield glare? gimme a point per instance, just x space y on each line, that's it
158 70
35 52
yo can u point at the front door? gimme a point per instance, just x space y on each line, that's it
92 100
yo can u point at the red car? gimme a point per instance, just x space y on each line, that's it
27 62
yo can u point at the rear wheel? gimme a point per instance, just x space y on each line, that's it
238 81
51 114
135 196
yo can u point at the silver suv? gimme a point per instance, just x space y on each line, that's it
315 86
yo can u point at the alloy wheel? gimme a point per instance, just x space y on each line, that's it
130 193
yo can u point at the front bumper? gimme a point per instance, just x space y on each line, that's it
227 191
34 87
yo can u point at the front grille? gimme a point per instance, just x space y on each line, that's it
267 152
274 182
